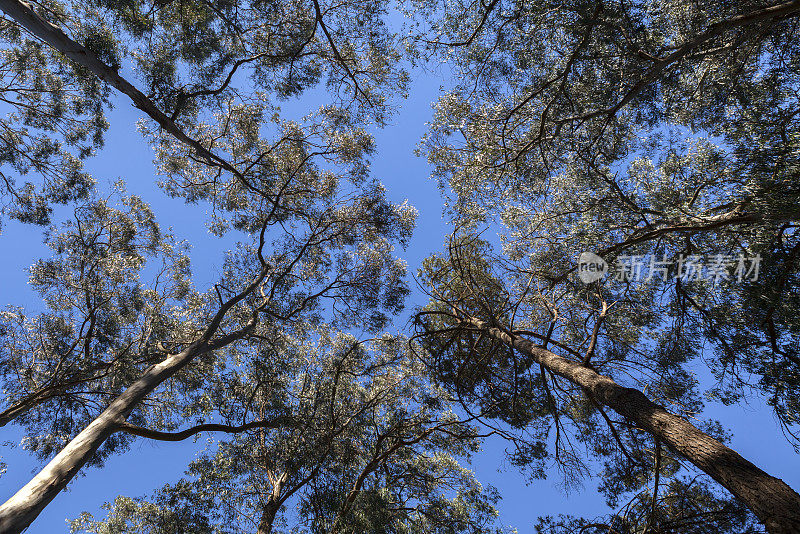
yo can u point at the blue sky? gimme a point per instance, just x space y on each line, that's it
150 464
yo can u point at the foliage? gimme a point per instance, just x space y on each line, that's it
54 121
656 130
358 451
628 129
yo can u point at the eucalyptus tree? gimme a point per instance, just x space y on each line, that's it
114 355
55 118
641 129
343 256
646 133
101 321
578 126
477 332
369 445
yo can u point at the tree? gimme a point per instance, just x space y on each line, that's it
625 129
57 121
632 130
358 453
473 317
315 229
102 318
659 130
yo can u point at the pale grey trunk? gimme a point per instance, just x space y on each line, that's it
19 511
26 17
770 499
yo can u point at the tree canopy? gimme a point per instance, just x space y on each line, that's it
659 138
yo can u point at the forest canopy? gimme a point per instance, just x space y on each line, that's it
619 181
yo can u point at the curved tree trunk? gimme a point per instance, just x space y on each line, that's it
769 498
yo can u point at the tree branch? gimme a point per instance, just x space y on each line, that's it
207 427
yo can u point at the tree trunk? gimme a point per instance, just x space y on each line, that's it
25 16
769 498
268 517
12 412
19 511
273 505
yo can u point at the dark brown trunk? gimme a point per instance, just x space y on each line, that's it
11 413
267 517
769 498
